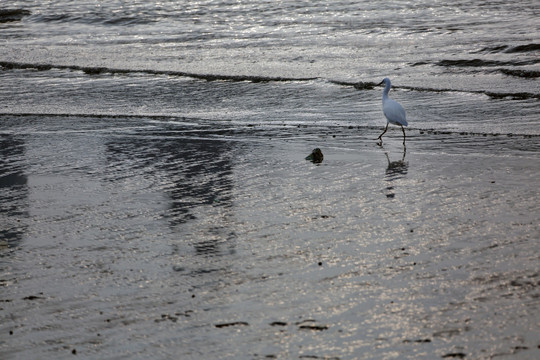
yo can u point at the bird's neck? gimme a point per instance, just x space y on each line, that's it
385 91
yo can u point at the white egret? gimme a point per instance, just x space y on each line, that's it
393 111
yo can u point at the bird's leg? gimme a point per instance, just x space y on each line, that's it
403 129
380 136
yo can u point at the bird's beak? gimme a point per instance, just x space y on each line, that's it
382 82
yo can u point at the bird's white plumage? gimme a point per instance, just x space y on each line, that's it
393 111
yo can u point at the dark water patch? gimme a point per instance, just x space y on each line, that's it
493 95
191 172
510 49
12 236
432 131
512 351
127 20
490 63
510 96
55 18
492 49
525 74
420 63
360 85
14 181
523 48
208 247
448 333
13 188
98 116
484 63
96 18
525 144
10 15
7 65
199 272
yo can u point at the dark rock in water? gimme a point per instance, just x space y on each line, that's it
32 297
236 323
186 313
314 327
165 317
310 325
458 355
418 341
278 323
316 156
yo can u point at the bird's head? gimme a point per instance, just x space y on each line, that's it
385 81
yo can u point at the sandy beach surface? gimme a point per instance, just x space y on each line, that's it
176 240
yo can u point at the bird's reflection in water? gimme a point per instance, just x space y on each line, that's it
394 171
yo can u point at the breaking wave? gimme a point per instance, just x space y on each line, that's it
104 70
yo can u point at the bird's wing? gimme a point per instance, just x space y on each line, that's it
394 112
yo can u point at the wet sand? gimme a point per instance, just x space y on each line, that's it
223 242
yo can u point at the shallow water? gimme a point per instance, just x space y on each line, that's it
164 233
155 200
